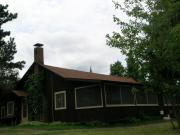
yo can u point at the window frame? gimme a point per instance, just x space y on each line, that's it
88 107
55 105
121 105
115 105
10 114
164 100
147 98
143 104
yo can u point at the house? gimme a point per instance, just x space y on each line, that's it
76 96
13 107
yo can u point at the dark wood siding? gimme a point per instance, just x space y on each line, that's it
16 118
56 83
113 114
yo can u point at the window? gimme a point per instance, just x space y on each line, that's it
123 95
141 97
10 108
119 95
3 112
60 100
167 100
113 95
88 97
127 95
152 98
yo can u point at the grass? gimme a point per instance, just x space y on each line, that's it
37 128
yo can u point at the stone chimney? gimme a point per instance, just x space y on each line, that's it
38 53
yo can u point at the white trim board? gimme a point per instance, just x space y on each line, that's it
123 105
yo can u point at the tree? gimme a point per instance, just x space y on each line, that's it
117 69
8 68
131 70
150 40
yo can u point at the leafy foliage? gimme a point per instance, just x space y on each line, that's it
117 69
34 86
150 39
8 68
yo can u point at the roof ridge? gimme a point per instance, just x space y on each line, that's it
88 72
83 75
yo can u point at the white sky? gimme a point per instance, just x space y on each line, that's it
72 31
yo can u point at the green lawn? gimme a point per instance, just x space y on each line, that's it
160 128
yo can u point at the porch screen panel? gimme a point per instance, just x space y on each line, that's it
152 98
127 95
89 96
168 100
141 97
113 94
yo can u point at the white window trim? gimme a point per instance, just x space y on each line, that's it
119 105
147 105
2 108
88 107
60 92
8 114
168 105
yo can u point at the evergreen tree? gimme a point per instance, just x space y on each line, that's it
117 69
8 68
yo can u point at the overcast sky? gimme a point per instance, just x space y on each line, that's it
72 31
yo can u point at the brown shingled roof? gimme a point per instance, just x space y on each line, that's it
75 74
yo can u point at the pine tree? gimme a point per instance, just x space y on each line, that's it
8 68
